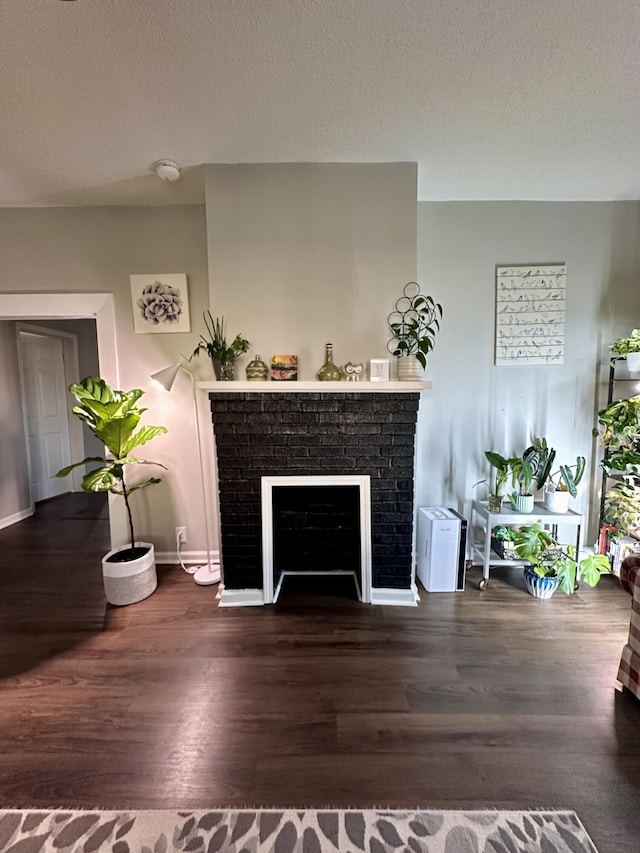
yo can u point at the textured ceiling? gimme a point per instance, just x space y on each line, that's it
495 99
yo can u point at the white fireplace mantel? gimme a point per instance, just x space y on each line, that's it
315 387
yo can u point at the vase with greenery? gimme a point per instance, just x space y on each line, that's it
214 343
113 417
413 325
556 564
497 479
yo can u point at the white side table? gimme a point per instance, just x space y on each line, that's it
488 520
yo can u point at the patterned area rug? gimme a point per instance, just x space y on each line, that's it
292 831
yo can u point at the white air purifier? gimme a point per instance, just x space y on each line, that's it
441 547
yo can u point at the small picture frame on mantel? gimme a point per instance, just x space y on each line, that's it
379 370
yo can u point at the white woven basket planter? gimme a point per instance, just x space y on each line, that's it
126 583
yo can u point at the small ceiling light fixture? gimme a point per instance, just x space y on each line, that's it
167 170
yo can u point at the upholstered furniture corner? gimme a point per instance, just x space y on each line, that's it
629 672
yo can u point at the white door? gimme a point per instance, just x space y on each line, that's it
46 414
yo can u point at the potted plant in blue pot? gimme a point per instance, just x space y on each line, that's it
552 566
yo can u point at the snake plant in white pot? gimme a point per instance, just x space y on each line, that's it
129 571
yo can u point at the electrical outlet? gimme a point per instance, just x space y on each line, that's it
181 534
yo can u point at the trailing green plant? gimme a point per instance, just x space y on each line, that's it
619 433
549 559
113 417
414 329
619 423
622 509
623 346
214 343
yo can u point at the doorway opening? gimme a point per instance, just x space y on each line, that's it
74 306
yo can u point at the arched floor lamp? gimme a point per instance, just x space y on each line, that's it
209 573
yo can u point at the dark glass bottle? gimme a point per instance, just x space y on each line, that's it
329 372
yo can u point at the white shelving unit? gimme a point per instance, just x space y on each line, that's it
481 516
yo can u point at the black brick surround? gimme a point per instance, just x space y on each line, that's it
297 433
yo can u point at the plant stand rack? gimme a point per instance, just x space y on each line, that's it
487 520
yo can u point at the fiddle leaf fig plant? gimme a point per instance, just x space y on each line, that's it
113 417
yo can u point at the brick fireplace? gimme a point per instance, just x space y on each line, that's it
264 432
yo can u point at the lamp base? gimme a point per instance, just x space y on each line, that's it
207 575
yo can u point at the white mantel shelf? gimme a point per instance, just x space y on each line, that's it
345 387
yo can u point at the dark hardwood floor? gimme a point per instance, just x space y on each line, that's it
472 699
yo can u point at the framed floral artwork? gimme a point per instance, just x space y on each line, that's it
160 303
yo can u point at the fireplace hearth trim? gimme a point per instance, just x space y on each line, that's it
363 481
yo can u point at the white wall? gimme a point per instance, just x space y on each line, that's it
305 254
95 250
476 406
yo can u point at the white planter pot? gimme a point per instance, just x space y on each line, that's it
557 501
522 503
126 583
633 362
409 368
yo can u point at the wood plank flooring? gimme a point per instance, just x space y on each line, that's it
472 699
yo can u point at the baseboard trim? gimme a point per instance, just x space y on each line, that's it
188 557
241 598
396 597
8 520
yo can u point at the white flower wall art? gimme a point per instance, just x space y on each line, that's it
530 313
160 303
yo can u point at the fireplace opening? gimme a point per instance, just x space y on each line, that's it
316 526
316 529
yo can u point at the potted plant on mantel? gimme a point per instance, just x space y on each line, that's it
629 348
553 566
413 325
129 571
214 343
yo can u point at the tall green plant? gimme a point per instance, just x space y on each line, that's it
113 417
